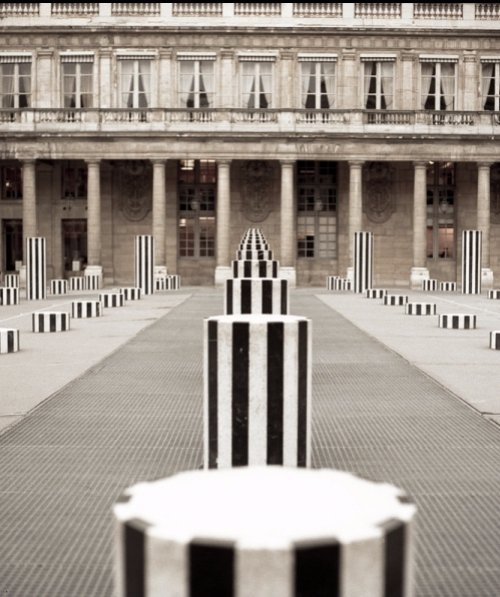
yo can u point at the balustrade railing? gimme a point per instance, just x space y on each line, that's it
317 9
377 10
197 9
388 117
437 10
120 9
19 9
487 11
257 9
74 9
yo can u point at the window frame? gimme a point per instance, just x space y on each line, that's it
16 79
437 64
437 220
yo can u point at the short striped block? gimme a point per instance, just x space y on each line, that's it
430 285
112 299
238 533
460 321
254 246
257 390
50 321
268 296
254 255
9 296
330 282
395 299
36 268
86 309
448 286
58 287
494 294
144 263
77 283
255 269
471 261
92 281
173 282
420 309
11 280
376 293
9 340
131 293
338 283
363 261
161 283
495 340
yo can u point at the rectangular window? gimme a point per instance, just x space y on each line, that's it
317 209
257 85
12 182
441 211
73 180
135 83
74 242
318 85
490 85
196 84
78 84
438 86
15 84
378 85
12 244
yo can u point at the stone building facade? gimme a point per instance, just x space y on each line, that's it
193 122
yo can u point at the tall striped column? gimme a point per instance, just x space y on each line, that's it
36 268
471 261
257 390
144 262
256 296
363 261
264 532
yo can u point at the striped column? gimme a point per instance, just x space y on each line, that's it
252 255
77 283
471 261
257 390
112 299
86 309
420 309
92 281
58 287
494 294
36 268
376 293
338 283
495 340
395 300
9 340
131 293
11 280
363 261
144 263
460 321
46 321
430 285
267 296
9 296
255 269
447 286
264 532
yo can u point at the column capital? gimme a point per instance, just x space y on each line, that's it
166 53
355 163
349 54
484 165
420 164
288 162
223 162
408 56
28 161
93 162
226 54
158 161
287 55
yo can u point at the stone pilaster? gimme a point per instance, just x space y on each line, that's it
288 234
419 271
30 222
355 208
223 220
159 211
94 240
483 220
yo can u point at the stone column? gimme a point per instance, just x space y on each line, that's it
228 99
223 221
470 97
483 220
355 210
93 218
30 223
159 221
419 271
287 233
43 92
409 100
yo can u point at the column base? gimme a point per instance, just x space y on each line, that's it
417 276
486 278
22 274
160 271
350 274
222 273
290 274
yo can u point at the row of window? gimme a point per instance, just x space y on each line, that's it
196 87
316 206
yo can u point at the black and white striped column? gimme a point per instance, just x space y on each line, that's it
9 296
395 300
58 287
494 294
50 321
92 281
338 283
257 390
447 286
9 340
247 532
144 263
495 340
460 321
77 283
255 269
131 293
363 261
420 309
268 296
471 261
11 280
112 299
254 255
430 285
36 268
376 293
173 282
82 309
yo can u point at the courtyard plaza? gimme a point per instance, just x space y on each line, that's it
118 400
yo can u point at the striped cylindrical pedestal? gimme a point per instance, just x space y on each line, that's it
376 293
77 283
50 321
160 283
173 282
264 532
36 268
254 246
395 299
447 286
9 296
338 283
495 340
11 280
255 269
363 261
9 340
86 309
471 261
430 285
144 263
254 255
268 296
58 287
420 309
257 390
131 293
331 282
494 294
459 321
92 281
112 299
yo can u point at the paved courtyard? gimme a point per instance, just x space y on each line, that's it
130 409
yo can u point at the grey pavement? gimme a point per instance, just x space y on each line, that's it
137 415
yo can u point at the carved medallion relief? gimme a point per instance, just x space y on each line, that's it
257 201
378 204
